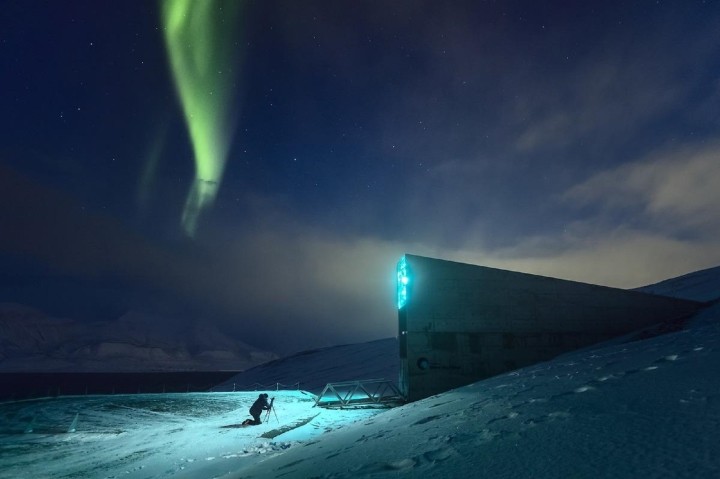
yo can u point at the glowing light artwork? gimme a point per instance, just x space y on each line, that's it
200 41
403 282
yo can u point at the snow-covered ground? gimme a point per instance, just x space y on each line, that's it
162 435
648 408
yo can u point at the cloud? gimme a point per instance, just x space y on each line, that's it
603 98
308 286
278 284
626 81
636 224
294 285
676 190
623 258
55 228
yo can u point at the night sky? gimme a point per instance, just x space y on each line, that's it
578 140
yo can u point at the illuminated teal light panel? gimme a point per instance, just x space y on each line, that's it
403 282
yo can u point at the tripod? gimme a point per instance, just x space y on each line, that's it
267 414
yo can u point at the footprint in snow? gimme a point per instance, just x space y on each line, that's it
439 455
380 467
666 359
584 388
559 415
291 464
511 415
425 420
400 465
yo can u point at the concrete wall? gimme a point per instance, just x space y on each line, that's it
462 323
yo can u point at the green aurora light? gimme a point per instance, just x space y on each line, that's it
200 40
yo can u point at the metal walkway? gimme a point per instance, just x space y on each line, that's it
368 392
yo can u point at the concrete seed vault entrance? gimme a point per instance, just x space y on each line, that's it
459 323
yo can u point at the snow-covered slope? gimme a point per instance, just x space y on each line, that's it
698 286
312 370
32 341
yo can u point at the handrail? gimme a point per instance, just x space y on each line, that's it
256 387
355 393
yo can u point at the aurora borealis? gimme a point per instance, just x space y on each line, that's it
269 161
203 53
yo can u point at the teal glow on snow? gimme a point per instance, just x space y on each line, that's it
403 282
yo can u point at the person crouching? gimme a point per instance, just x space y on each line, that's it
261 404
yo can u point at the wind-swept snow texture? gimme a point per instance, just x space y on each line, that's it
648 408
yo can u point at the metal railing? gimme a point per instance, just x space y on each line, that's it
235 387
359 393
